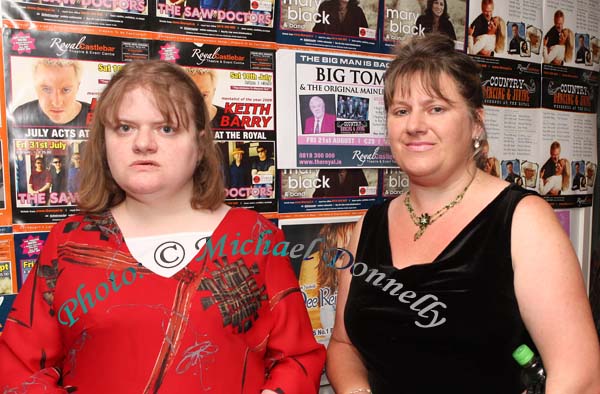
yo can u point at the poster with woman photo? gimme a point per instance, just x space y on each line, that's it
407 18
340 24
568 28
317 268
499 30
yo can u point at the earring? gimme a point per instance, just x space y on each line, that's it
476 143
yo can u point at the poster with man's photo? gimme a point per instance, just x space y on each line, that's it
124 14
503 30
403 19
569 31
51 93
326 190
249 174
568 139
331 107
237 19
349 24
237 84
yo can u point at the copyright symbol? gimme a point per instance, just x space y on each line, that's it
169 254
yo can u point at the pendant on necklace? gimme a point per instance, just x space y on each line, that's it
424 220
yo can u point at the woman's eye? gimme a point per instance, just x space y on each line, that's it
124 128
401 112
167 129
437 110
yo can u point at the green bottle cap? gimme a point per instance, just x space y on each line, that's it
523 355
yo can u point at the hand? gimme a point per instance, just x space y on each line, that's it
485 52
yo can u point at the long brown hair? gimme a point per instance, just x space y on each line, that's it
178 100
334 235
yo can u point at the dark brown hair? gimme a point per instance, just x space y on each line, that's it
178 100
429 57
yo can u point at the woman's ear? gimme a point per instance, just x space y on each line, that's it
479 124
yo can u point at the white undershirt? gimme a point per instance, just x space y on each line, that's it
165 255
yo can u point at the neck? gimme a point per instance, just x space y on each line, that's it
152 215
431 197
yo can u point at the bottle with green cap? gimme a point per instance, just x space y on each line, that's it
533 375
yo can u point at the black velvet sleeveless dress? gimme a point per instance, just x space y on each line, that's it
449 326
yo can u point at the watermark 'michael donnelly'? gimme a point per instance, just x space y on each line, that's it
262 247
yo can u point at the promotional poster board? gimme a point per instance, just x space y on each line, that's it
27 249
507 30
331 111
327 190
245 20
8 270
568 138
403 19
349 25
317 272
571 34
53 80
238 84
125 14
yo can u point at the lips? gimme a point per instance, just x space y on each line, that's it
144 164
419 146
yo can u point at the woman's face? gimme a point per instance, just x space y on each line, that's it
563 37
148 157
437 7
559 168
534 40
493 26
431 137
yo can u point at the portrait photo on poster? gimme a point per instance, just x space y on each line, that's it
318 113
55 99
529 172
583 53
534 36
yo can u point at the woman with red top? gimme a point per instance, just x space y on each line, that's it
155 288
